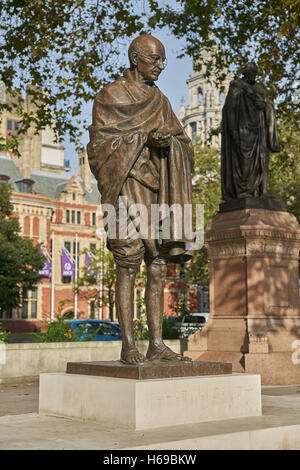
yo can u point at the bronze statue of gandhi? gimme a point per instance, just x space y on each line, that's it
138 151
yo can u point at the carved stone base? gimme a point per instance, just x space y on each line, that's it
254 296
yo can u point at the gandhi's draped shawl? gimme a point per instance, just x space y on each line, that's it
124 114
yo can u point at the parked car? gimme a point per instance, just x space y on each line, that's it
191 322
95 330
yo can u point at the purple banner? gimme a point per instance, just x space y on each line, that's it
45 271
67 266
90 270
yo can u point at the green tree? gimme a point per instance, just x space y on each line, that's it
206 191
19 259
267 32
284 170
102 266
66 50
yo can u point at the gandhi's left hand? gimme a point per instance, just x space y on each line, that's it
159 139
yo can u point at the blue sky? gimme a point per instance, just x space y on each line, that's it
172 82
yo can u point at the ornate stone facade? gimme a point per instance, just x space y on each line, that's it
204 109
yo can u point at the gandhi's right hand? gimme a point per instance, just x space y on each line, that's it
159 139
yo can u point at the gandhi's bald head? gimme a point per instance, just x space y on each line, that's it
142 44
147 56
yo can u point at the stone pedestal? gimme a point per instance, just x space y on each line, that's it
254 295
149 370
150 403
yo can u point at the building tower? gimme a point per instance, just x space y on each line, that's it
204 110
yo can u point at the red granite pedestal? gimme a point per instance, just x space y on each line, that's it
254 295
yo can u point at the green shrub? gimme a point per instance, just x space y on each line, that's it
3 334
140 329
58 331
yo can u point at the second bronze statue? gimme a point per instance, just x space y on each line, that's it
140 154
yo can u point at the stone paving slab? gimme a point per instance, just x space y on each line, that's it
18 398
278 428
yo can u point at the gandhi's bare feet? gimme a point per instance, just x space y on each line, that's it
161 352
132 356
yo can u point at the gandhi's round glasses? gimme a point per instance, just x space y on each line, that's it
155 59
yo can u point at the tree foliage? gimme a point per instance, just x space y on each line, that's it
19 259
284 170
266 31
65 50
102 269
206 191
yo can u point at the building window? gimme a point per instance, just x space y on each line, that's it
73 217
74 196
78 217
222 97
94 218
33 310
92 309
68 246
4 178
29 303
7 314
25 186
92 247
26 226
67 216
12 126
24 309
36 227
200 97
194 131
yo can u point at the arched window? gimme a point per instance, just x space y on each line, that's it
36 227
194 131
27 226
222 97
200 96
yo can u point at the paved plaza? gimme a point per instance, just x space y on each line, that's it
21 427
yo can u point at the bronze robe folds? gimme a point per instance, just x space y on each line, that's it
249 134
124 114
